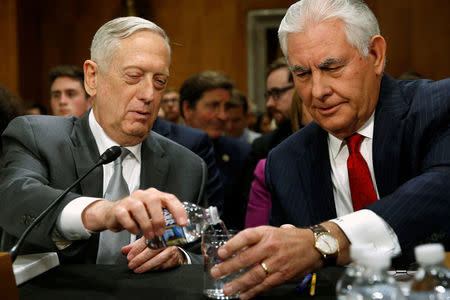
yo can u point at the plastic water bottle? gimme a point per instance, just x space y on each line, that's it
344 286
432 280
375 282
199 219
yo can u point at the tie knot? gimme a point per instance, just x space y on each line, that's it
122 156
354 142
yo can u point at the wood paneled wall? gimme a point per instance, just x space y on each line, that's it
36 35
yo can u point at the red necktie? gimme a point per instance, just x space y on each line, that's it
361 186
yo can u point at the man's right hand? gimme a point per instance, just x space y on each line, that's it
142 210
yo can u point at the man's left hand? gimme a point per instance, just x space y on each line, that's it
277 255
141 258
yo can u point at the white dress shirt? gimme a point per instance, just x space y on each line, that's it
363 226
69 223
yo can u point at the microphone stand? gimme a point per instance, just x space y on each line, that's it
108 156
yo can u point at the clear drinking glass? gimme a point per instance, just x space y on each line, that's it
212 239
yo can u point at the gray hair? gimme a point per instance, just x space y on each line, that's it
360 22
106 39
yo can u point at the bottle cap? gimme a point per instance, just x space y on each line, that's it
214 217
429 254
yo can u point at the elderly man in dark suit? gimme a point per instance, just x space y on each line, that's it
373 167
126 77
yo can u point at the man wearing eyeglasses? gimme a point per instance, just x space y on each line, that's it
279 94
170 104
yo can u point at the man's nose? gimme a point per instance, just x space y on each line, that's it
320 87
146 90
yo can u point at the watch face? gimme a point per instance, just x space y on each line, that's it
326 243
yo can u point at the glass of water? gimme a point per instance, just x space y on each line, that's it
212 239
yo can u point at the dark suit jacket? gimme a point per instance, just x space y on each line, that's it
45 154
231 155
411 159
198 142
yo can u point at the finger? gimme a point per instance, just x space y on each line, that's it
124 219
137 247
176 208
126 249
162 260
248 280
268 283
139 213
144 261
244 238
287 226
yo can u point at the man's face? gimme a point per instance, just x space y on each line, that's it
128 91
209 112
67 97
171 106
279 103
338 86
236 123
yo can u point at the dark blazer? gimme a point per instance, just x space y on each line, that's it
231 155
198 142
411 159
45 154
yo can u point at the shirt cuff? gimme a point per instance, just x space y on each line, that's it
69 224
188 258
366 227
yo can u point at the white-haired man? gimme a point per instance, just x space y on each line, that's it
126 77
372 168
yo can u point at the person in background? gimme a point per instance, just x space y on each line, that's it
204 97
237 121
101 219
170 104
67 94
279 93
259 203
252 119
373 167
263 124
35 109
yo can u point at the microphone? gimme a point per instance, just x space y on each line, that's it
108 156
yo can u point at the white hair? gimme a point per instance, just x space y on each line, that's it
359 21
107 37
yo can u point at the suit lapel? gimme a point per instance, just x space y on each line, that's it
318 184
387 137
85 154
154 164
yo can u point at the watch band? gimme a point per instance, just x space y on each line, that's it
328 259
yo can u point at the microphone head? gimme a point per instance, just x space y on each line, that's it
109 155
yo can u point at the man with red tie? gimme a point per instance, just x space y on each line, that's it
373 167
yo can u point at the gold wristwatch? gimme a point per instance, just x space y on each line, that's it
326 243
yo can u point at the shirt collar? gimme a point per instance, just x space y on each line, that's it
104 141
335 144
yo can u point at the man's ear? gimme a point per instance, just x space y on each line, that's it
90 77
187 111
377 51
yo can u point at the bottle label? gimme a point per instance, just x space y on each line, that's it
174 234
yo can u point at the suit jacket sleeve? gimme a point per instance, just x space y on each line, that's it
25 185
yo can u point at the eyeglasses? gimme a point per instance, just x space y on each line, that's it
276 92
170 100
